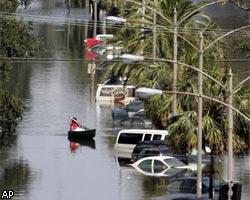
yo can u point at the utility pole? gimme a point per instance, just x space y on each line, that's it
154 30
199 143
230 133
95 17
175 51
104 21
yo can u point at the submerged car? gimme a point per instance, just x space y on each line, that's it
121 118
161 166
150 148
187 185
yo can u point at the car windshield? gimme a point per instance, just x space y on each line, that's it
173 162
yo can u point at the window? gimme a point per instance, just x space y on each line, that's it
159 166
132 138
106 91
157 137
151 153
145 165
147 137
131 92
173 162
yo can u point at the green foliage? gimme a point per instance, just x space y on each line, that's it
11 110
13 44
15 41
8 5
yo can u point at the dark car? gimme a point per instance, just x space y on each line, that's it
122 119
149 148
188 185
134 106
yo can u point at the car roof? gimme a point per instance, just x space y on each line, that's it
189 178
156 158
152 142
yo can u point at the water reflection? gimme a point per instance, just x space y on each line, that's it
75 143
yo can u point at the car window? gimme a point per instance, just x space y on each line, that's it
174 186
126 138
164 151
146 165
131 92
157 137
173 162
147 137
152 152
159 166
106 91
141 154
135 106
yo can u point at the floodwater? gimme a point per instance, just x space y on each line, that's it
41 165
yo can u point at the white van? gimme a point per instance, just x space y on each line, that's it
115 93
127 139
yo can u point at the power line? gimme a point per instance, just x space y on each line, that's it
87 22
37 59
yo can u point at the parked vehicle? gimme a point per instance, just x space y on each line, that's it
150 148
128 138
134 106
161 166
115 93
187 185
157 148
122 119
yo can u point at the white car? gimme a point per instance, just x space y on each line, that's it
161 166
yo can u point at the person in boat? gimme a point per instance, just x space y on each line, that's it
74 124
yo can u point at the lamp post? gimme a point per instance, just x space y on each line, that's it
230 133
175 51
199 145
154 31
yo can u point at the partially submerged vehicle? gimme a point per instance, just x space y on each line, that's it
150 148
161 166
115 93
127 139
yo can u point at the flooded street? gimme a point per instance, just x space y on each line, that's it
41 165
